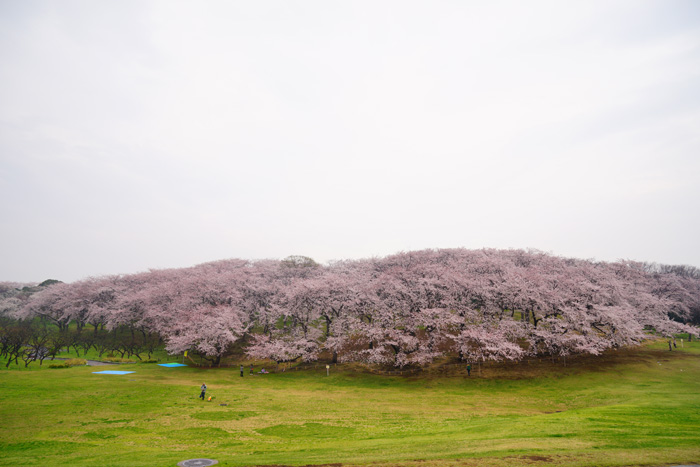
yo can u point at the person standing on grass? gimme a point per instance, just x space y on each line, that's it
251 369
241 371
204 391
469 369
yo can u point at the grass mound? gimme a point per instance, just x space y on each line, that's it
631 407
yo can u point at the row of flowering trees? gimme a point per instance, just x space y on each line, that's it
405 309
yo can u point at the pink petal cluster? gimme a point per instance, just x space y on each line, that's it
405 309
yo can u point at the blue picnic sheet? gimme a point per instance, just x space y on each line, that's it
113 372
171 365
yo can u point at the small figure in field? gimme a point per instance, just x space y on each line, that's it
469 369
674 343
251 369
241 371
669 345
204 390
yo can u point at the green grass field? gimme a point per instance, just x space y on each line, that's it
631 407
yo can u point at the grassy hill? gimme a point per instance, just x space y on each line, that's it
630 407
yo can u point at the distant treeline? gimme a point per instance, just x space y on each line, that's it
405 309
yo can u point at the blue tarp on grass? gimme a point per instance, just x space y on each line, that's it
171 365
112 372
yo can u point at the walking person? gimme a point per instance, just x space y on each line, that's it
469 369
241 371
251 369
204 391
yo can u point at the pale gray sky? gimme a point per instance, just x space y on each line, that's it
152 134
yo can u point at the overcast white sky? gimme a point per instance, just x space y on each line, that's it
153 134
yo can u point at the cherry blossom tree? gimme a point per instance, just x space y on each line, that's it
284 346
404 309
199 309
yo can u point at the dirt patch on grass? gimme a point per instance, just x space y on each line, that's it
307 465
532 458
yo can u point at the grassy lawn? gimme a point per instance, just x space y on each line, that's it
631 407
